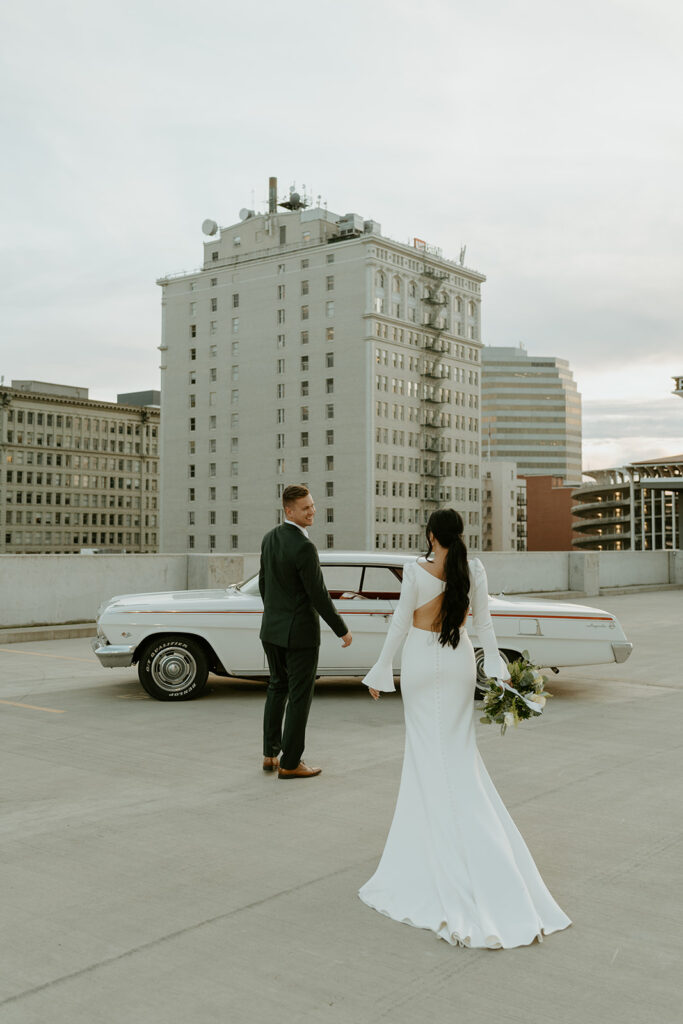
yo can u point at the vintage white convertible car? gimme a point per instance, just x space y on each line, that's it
177 639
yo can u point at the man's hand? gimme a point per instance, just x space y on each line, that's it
373 693
346 640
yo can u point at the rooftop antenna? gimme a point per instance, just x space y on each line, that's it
463 250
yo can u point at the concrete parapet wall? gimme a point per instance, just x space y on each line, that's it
625 568
38 590
512 572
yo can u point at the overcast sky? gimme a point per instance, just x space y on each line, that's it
545 136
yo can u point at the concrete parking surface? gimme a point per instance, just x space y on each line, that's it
151 872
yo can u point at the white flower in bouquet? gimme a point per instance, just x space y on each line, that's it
509 718
538 699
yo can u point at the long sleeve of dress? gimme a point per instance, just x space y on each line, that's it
494 666
381 675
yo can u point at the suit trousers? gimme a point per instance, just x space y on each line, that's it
292 678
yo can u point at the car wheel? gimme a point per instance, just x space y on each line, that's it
173 668
480 685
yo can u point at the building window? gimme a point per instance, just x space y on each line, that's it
234 468
329 515
190 518
280 366
304 464
236 240
280 316
234 517
304 364
304 412
304 264
283 234
329 437
212 493
329 463
213 326
330 257
280 291
234 396
304 287
193 330
234 542
280 341
212 469
193 423
280 391
329 308
304 337
214 305
190 494
304 312
234 493
329 412
329 359
329 386
190 469
304 439
213 373
193 353
329 540
235 324
329 282
235 301
190 541
329 489
214 282
212 542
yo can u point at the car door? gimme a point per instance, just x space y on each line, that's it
365 597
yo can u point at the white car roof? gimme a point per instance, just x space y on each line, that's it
390 558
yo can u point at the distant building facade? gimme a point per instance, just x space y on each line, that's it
76 473
637 507
531 413
504 503
310 348
678 386
550 520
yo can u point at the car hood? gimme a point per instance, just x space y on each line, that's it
173 600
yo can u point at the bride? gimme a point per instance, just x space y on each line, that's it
454 861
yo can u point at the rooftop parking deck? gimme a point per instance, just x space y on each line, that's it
153 873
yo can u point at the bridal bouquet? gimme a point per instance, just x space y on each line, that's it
523 697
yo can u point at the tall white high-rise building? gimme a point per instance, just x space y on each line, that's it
310 348
531 413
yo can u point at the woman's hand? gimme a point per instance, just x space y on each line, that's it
373 693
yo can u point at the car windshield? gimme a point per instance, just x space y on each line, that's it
374 582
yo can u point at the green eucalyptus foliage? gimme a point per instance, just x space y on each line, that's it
500 704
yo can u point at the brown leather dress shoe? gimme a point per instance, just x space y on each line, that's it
301 772
271 764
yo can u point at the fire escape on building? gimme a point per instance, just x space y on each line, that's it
433 441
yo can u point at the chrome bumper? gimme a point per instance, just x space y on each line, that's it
621 651
113 655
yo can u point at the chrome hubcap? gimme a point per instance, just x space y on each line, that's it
173 668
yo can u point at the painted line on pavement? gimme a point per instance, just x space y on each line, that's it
39 654
32 707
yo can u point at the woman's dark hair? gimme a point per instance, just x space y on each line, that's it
447 527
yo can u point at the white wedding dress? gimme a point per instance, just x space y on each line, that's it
454 861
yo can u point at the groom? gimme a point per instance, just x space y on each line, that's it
294 595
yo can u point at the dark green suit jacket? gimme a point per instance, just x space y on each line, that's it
293 590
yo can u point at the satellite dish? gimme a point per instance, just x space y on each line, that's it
245 214
209 227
